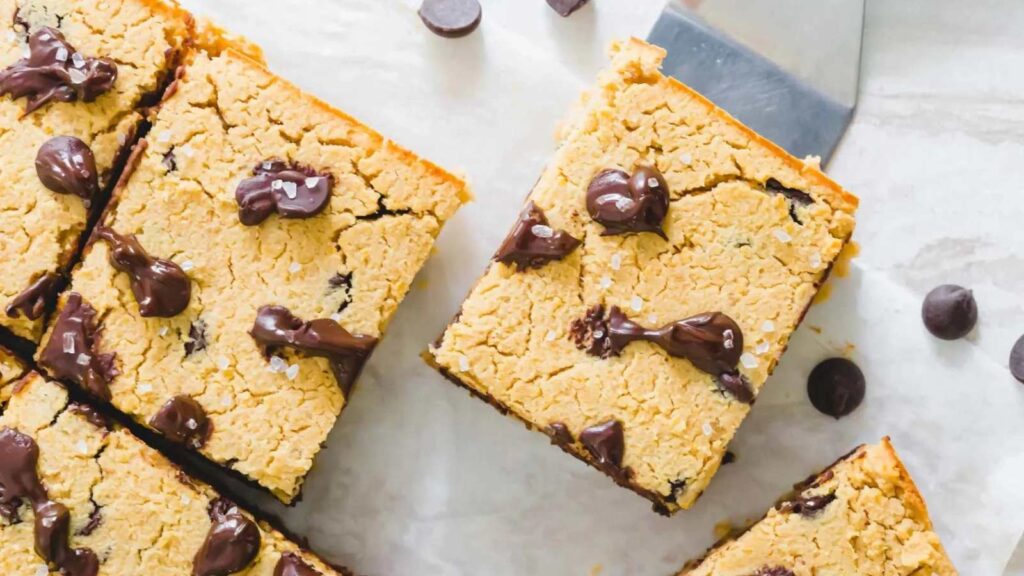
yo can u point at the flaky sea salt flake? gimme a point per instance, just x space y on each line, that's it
762 347
277 365
463 364
294 267
83 359
77 60
69 343
636 303
187 265
42 570
222 363
61 55
290 189
748 360
292 371
616 261
76 76
815 260
551 335
768 326
312 181
191 424
542 231
165 136
782 236
82 447
144 388
605 283
707 429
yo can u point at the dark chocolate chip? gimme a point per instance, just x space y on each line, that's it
713 342
196 338
160 286
276 326
773 571
798 196
54 70
169 161
291 564
339 281
91 415
66 165
677 488
532 243
52 530
806 505
95 519
290 190
836 387
949 312
606 444
19 479
728 458
737 385
451 18
624 203
1017 360
566 7
32 301
231 544
183 420
72 352
559 433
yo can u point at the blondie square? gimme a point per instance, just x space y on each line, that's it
74 78
651 283
251 256
863 515
80 497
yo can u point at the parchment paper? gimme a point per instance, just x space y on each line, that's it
418 478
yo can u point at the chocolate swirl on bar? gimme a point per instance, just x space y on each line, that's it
606 444
54 70
276 326
33 300
290 190
160 286
231 544
532 243
629 203
19 481
712 342
183 420
291 564
72 352
805 505
66 165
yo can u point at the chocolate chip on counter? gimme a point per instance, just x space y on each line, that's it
91 415
1017 360
54 70
290 564
713 342
183 420
32 301
532 243
949 312
836 387
290 190
623 203
160 286
559 433
276 326
737 385
196 338
566 7
805 505
66 165
451 18
728 458
231 544
72 352
606 443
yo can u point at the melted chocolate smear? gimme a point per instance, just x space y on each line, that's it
949 312
32 301
559 433
183 420
231 544
95 519
532 243
1017 360
91 415
451 18
805 505
290 190
713 342
169 161
624 203
836 387
276 326
606 444
196 338
72 352
291 565
737 385
566 7
677 488
19 480
773 571
54 70
66 165
160 286
794 195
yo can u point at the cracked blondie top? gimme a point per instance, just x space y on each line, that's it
651 284
120 507
70 72
11 370
252 255
863 515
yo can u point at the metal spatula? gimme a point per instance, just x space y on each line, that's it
789 69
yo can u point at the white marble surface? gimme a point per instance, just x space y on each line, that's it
420 479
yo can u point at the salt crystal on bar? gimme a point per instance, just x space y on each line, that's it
69 343
191 424
77 60
11 36
606 282
144 388
186 150
616 261
312 182
76 76
781 235
185 500
652 318
762 347
728 339
551 335
542 231
165 136
83 360
276 184
636 303
748 360
463 364
768 326
277 364
61 55
815 260
82 447
42 570
187 265
707 429
292 371
686 158
290 189
163 331
624 203
268 165
652 182
222 363
294 267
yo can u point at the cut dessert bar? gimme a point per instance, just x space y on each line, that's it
862 515
251 256
74 76
11 370
80 496
651 283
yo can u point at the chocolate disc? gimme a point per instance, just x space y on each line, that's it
1017 360
451 18
566 7
836 387
949 312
